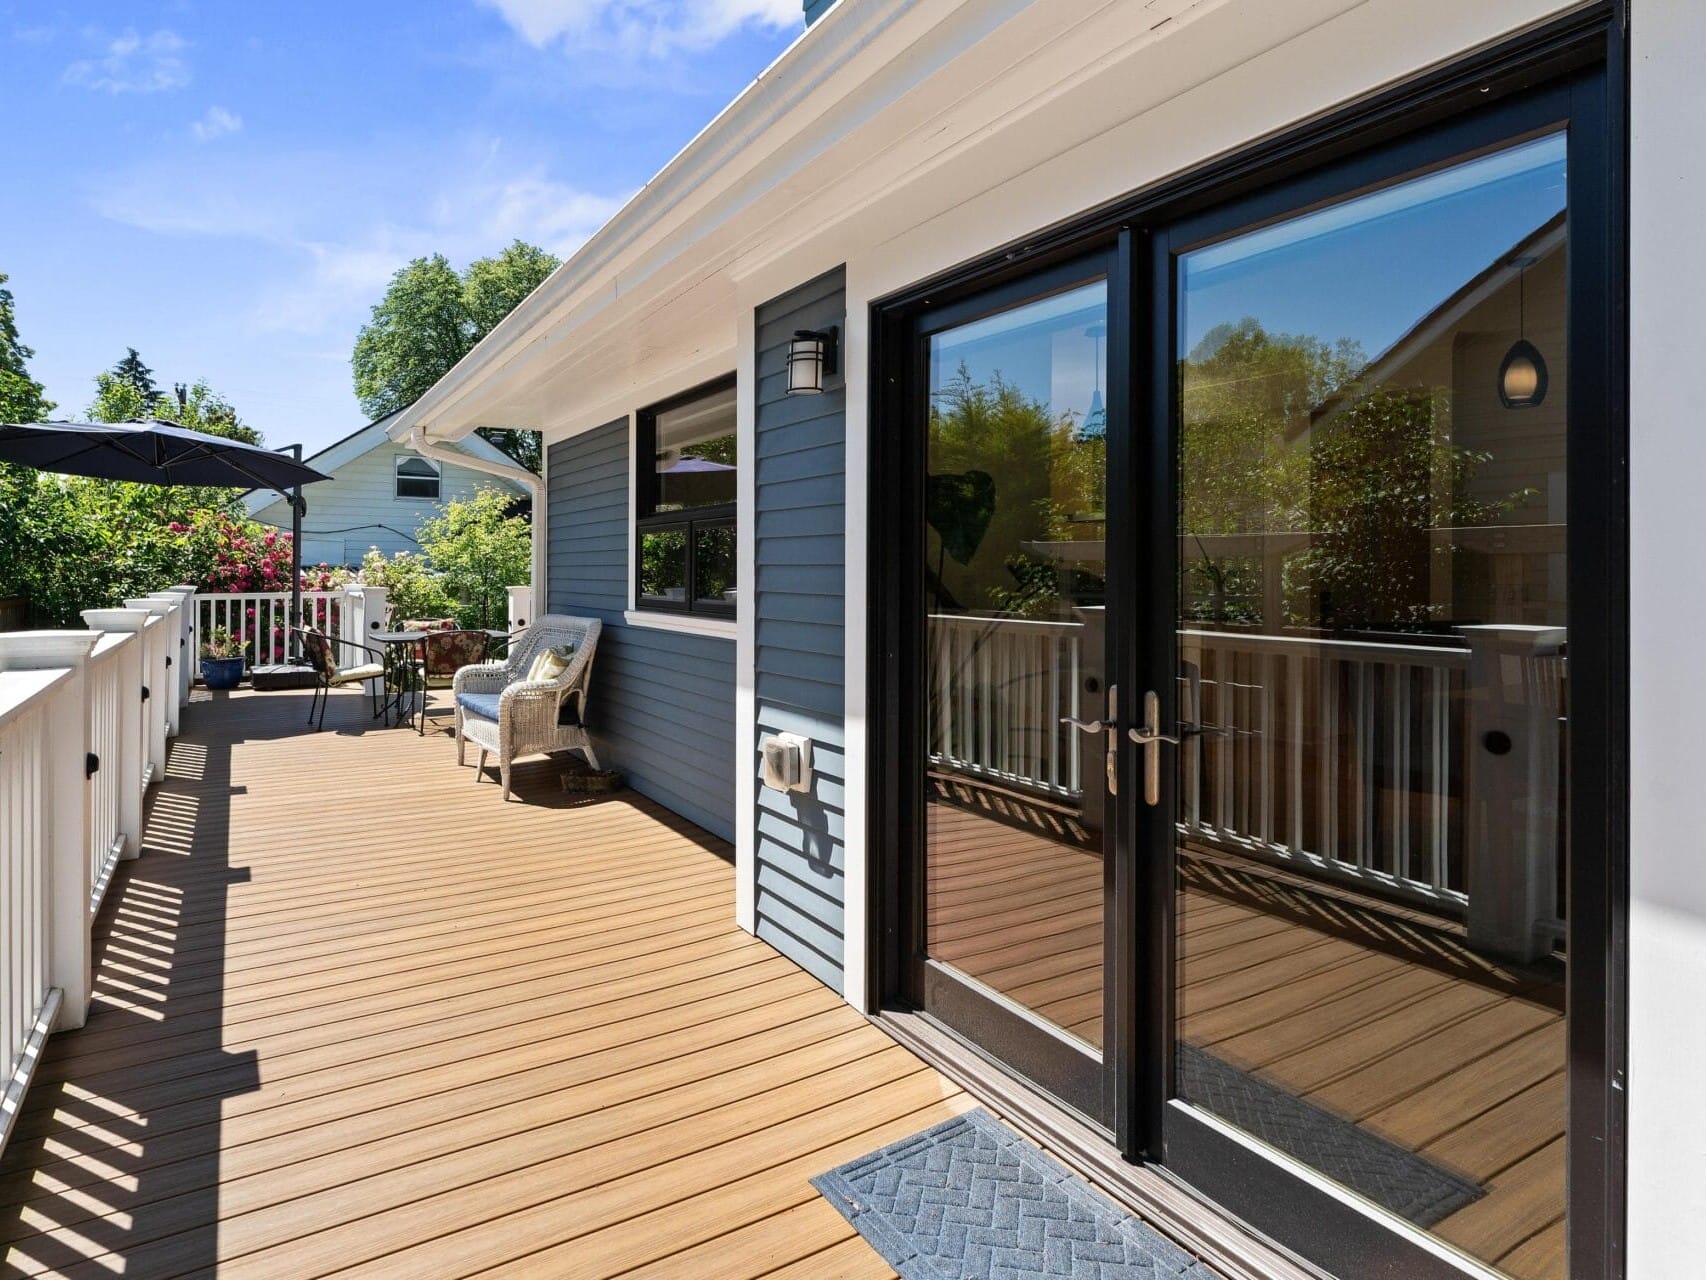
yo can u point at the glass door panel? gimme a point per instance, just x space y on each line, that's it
1014 584
1369 954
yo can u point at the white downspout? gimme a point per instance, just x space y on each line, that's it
508 471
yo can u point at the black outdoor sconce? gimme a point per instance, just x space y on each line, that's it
812 356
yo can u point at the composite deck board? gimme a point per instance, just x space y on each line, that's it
1375 1014
354 1014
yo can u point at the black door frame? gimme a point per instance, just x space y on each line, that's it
1584 55
1018 1042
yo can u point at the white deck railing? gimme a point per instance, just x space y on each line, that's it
81 713
25 991
1416 769
261 621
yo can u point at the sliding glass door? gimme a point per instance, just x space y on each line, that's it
1248 644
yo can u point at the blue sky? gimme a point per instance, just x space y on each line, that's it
228 187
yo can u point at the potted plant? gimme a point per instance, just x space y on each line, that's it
222 660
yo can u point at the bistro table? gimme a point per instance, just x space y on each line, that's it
400 685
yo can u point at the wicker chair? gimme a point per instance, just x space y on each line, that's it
499 710
321 651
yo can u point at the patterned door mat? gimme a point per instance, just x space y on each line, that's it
1397 1179
970 1200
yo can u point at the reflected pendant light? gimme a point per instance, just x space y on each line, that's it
1522 373
1096 421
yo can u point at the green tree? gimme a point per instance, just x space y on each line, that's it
1281 436
138 377
477 551
200 408
22 398
430 317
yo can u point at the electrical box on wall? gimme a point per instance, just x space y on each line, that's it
787 762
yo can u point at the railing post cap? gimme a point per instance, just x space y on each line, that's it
149 603
1516 634
116 619
36 650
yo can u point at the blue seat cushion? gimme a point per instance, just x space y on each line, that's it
484 705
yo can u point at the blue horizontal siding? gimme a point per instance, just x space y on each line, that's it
799 579
662 704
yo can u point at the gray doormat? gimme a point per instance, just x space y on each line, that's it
970 1200
1397 1179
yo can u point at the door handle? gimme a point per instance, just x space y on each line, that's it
1109 727
1087 726
1150 739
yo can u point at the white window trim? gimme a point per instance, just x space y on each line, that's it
691 624
397 462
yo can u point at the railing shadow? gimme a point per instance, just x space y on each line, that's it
118 1142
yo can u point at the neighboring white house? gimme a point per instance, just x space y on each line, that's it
380 494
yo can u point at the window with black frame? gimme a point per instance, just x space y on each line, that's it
684 527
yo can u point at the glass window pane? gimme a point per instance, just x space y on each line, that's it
663 565
1014 596
1372 570
696 457
714 563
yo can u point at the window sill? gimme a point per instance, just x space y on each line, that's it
686 623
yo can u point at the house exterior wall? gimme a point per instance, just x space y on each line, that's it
799 563
358 507
1667 712
662 702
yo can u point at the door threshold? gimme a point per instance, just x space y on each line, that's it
1197 1225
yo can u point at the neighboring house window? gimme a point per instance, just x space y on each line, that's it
417 478
684 502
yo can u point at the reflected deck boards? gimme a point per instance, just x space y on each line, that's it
356 1015
1400 1029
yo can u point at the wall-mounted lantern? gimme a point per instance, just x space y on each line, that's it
812 356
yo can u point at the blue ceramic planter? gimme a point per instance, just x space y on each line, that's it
222 673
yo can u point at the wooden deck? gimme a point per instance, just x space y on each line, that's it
1379 1016
356 1016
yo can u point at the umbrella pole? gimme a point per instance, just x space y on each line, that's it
295 561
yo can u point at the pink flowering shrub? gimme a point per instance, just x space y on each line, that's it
229 555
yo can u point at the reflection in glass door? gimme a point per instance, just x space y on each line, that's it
1370 951
1014 584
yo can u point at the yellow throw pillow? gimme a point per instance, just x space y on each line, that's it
550 663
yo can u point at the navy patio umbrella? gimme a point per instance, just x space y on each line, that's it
150 453
163 453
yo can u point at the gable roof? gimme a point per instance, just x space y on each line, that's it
366 439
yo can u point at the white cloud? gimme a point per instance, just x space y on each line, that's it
652 28
340 225
130 63
215 122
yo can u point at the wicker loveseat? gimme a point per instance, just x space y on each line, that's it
500 711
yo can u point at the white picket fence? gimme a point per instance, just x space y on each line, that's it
84 722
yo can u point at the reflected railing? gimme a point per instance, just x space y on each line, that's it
1413 769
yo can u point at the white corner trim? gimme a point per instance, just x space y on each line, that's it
857 971
686 623
746 619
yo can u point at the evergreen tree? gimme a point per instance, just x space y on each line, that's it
22 398
139 377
